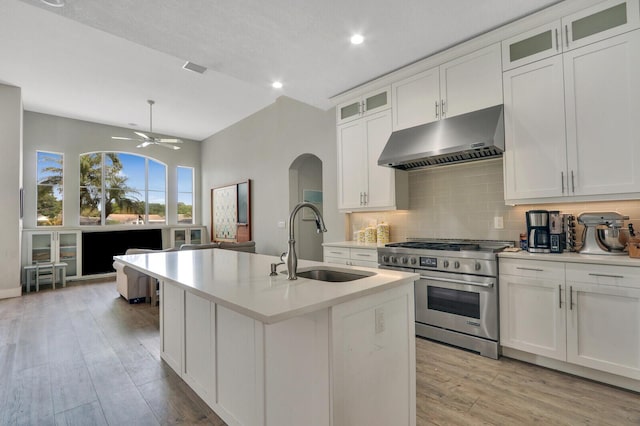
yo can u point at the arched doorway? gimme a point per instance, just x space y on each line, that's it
305 181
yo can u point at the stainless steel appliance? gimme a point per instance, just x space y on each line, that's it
456 297
538 231
557 232
603 233
477 135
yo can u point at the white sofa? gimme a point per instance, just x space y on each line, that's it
134 285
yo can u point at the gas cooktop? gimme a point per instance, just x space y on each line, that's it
492 246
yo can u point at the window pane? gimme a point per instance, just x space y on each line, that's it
124 171
185 195
49 177
185 208
185 179
124 207
90 205
157 207
91 170
157 176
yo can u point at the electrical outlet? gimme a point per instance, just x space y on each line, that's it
379 320
281 224
498 222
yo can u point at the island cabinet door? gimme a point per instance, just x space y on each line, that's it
374 366
172 324
199 350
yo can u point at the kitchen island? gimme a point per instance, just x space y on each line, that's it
264 350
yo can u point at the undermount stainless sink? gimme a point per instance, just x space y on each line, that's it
333 275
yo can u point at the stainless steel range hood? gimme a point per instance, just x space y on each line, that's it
468 137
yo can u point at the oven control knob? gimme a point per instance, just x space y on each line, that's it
477 266
456 264
405 260
385 259
393 259
413 261
445 263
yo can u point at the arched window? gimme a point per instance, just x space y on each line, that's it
118 188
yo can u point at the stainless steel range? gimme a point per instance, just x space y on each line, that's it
456 296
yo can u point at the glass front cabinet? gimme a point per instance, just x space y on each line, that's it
55 247
191 235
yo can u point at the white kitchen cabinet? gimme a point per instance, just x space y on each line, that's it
370 103
603 322
362 184
172 324
532 311
199 343
535 157
187 235
589 317
557 130
602 94
590 25
598 22
533 45
360 256
56 246
465 84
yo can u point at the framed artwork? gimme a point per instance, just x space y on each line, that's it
231 212
311 196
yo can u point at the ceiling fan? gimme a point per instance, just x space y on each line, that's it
147 140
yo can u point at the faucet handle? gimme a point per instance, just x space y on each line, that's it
283 255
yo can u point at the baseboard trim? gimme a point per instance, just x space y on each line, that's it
576 370
7 293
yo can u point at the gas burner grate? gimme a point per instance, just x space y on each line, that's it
437 246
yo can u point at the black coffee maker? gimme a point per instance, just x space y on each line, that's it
538 231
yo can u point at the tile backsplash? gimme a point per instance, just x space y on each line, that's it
461 201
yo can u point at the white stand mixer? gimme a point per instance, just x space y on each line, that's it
603 233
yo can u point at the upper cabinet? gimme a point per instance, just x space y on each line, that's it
588 26
564 113
465 84
362 184
378 100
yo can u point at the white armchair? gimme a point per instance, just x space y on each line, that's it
131 284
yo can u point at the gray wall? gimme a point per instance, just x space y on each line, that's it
306 173
73 137
11 178
262 147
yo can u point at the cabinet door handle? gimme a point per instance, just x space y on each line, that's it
566 34
559 293
335 252
437 113
362 108
361 198
529 269
606 275
363 255
557 41
573 184
562 179
443 110
366 196
571 298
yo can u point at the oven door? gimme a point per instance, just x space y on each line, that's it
463 303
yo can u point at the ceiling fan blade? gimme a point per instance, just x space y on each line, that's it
144 144
124 139
169 140
143 136
165 145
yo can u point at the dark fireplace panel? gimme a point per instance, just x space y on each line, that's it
98 248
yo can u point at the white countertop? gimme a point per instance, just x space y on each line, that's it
354 244
241 282
619 260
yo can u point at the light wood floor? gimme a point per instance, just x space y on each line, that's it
82 355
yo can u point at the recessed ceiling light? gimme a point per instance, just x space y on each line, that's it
357 39
276 85
53 3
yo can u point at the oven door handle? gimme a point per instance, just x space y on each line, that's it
449 280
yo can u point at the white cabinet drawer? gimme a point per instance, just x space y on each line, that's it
336 252
337 260
364 254
621 276
532 269
364 263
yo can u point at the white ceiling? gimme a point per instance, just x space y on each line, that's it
100 60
